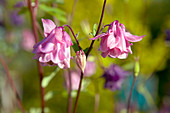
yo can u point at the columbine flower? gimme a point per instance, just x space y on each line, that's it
114 77
54 49
115 42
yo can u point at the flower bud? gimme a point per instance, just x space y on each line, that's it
137 67
81 60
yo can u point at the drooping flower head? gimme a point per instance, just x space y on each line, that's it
54 49
114 77
116 41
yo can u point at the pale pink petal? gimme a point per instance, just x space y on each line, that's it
47 47
114 53
112 41
59 34
98 36
45 58
67 39
103 44
120 35
123 56
48 26
55 57
133 38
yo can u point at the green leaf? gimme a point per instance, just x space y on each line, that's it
58 13
86 50
23 10
75 47
49 95
94 29
46 80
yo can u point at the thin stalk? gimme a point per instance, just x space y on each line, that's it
35 31
91 45
103 27
12 84
78 93
69 106
97 97
130 94
73 35
73 10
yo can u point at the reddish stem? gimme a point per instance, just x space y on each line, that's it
130 94
69 106
12 84
35 31
78 93
73 35
91 45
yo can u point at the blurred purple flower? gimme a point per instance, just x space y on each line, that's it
27 40
116 41
2 2
167 35
20 4
75 79
90 69
15 18
114 77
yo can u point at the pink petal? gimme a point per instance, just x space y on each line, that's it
45 57
47 47
98 36
104 54
59 34
55 57
112 41
48 26
103 44
67 39
123 56
114 53
133 38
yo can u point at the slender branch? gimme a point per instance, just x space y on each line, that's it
97 97
35 31
69 106
91 45
12 84
73 35
78 93
73 10
130 94
104 27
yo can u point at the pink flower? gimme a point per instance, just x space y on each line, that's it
54 49
27 40
90 69
75 79
115 42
